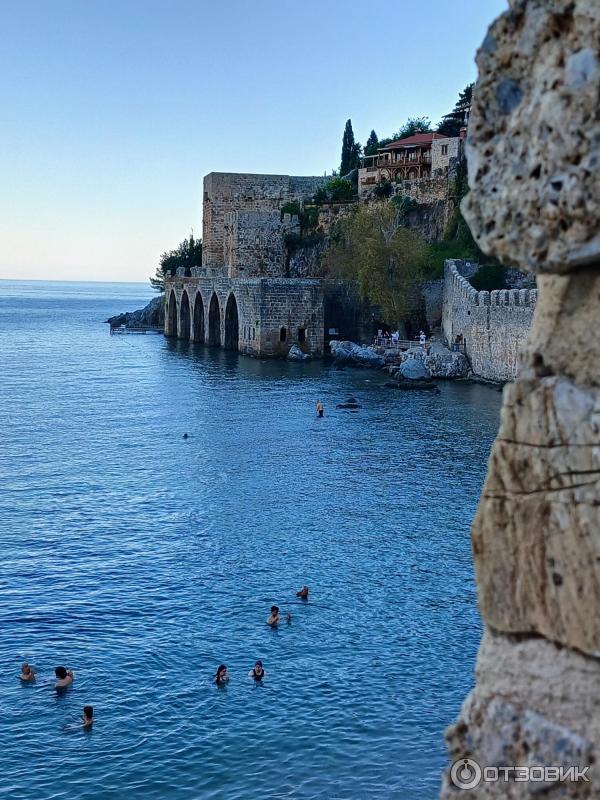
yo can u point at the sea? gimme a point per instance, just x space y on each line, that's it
142 560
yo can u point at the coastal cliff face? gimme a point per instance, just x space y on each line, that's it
535 200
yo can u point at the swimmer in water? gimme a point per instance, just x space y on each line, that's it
64 678
274 619
88 716
221 677
27 673
303 593
257 672
320 409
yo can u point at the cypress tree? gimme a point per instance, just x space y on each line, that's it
350 150
372 144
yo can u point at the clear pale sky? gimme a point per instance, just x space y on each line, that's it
112 111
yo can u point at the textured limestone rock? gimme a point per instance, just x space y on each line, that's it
445 364
536 535
535 704
534 162
534 136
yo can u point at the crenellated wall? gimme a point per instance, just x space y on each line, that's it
493 325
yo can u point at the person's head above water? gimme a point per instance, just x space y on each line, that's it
221 673
88 713
25 668
303 593
61 673
274 610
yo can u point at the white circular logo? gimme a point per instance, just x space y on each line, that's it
466 773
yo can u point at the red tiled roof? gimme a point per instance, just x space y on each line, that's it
416 139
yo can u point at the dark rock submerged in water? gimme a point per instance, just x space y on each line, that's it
152 315
350 403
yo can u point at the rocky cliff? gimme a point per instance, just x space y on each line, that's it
534 158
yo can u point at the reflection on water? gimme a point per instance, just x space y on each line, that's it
142 561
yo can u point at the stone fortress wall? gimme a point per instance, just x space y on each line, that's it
494 325
241 298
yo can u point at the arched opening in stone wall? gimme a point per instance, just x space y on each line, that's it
184 316
171 329
198 318
282 334
214 322
232 325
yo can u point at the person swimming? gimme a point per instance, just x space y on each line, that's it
64 678
27 672
320 408
88 716
275 618
303 593
257 672
221 675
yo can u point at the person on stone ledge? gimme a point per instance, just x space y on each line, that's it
320 409
27 673
303 593
275 618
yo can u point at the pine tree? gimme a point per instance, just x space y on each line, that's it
350 151
372 144
452 123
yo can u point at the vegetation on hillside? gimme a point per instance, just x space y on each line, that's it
372 249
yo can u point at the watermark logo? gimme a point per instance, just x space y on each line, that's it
466 773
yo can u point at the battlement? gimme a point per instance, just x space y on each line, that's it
491 325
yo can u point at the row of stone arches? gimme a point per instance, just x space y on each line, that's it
187 320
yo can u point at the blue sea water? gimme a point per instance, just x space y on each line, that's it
142 561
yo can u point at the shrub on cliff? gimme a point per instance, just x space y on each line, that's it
187 254
337 190
385 260
489 277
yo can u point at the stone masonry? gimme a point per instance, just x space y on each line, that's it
241 298
535 199
493 325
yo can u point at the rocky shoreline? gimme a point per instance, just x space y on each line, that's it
416 368
151 316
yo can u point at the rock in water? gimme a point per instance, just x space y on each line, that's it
445 364
414 369
152 315
350 353
296 354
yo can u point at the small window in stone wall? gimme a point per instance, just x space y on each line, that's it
282 334
444 149
301 334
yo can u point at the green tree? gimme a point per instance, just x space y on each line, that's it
187 254
385 260
413 125
337 190
351 150
452 123
372 144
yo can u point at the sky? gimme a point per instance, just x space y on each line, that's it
113 110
